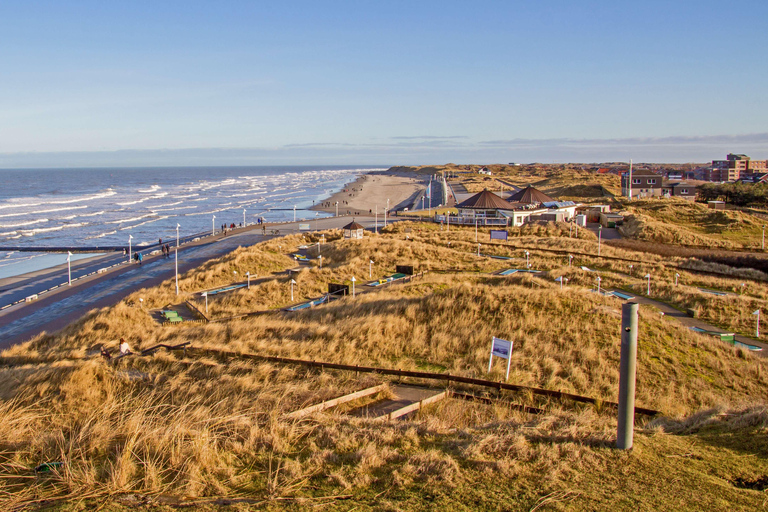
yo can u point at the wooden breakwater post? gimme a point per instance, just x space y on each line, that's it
627 372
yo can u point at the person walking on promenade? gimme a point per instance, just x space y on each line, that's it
136 257
141 258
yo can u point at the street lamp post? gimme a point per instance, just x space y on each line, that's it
676 276
69 268
244 223
353 286
648 276
370 269
248 276
292 283
213 225
598 284
320 259
630 270
130 251
337 208
316 214
527 263
599 238
478 249
205 294
570 260
294 213
318 247
176 254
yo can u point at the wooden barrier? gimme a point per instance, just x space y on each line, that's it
194 309
337 401
416 406
417 375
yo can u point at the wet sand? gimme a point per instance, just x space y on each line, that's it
370 191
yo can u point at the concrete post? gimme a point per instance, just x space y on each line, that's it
627 376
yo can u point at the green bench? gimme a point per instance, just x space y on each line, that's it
171 316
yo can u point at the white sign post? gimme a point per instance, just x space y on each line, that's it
69 267
757 325
205 294
503 349
353 286
292 283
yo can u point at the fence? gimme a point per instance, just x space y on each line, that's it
413 374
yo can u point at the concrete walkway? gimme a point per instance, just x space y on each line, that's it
686 320
56 309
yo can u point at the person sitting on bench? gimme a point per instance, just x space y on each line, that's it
124 348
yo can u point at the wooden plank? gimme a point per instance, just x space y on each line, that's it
416 405
337 401
418 375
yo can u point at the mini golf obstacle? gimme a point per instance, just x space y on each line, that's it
511 271
225 289
335 291
388 279
497 257
310 304
620 295
713 292
727 337
401 272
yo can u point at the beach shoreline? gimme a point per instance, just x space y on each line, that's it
369 193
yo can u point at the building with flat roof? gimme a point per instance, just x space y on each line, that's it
734 168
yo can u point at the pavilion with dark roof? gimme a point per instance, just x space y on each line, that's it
353 230
529 195
488 209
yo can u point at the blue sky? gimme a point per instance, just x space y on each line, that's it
220 83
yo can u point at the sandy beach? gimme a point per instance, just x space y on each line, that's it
372 190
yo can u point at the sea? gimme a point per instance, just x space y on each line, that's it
84 208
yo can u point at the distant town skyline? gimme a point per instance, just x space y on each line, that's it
241 83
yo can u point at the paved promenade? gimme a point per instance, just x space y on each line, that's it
56 309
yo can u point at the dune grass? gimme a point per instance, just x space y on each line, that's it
205 428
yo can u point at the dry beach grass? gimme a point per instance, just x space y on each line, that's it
198 429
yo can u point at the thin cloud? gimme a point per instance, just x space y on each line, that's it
702 140
430 137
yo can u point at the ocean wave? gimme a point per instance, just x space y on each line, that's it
22 224
32 232
38 212
143 223
173 209
149 190
101 235
143 199
130 219
184 197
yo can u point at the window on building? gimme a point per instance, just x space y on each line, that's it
651 181
636 181
684 191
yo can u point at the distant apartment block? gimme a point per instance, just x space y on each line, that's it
734 168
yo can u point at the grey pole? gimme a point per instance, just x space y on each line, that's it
627 376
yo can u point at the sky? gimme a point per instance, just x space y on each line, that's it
395 83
